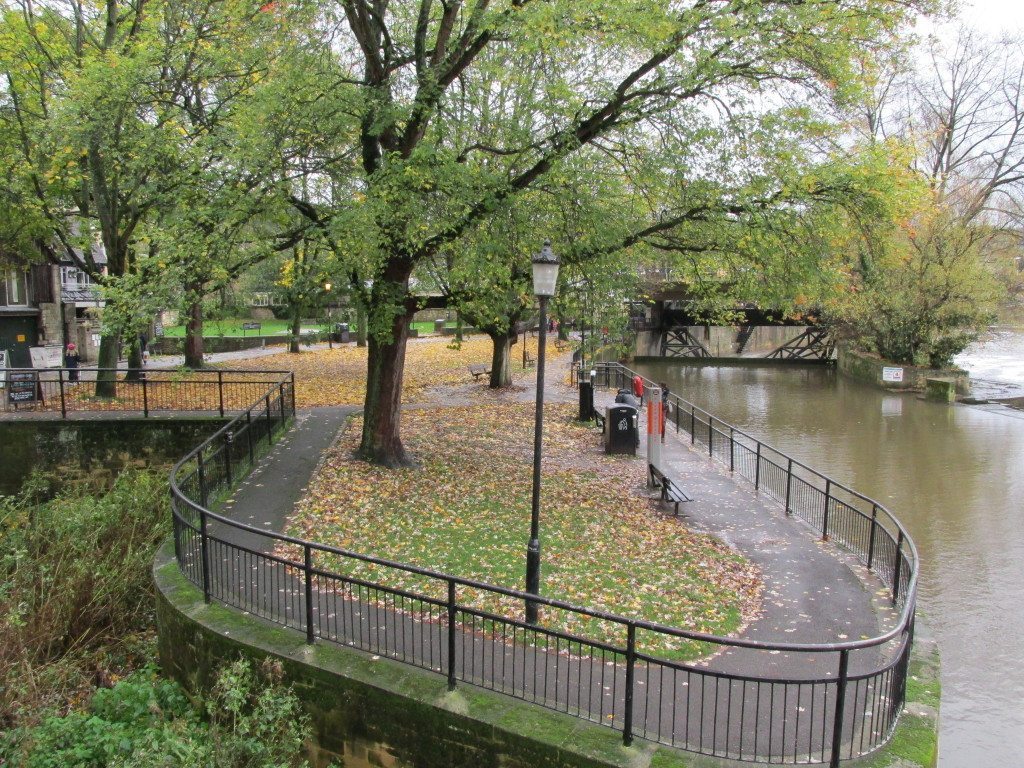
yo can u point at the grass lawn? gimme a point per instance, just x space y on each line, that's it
234 328
466 511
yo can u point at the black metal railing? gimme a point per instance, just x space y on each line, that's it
845 705
145 391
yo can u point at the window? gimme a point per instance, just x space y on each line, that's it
16 289
71 277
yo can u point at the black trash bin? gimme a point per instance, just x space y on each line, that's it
341 334
586 400
620 429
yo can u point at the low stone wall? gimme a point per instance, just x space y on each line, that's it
872 369
368 711
95 449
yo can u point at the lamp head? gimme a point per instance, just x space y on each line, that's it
545 271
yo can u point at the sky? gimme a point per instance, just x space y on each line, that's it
994 16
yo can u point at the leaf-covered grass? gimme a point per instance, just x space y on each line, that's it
466 511
338 376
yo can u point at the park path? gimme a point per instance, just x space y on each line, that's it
812 594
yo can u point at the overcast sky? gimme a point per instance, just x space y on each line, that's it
994 16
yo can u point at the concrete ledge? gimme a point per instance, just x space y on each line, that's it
372 711
872 369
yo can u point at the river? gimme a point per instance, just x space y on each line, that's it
954 475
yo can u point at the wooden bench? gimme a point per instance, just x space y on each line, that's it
479 369
528 361
670 492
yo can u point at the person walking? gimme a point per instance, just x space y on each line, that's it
638 388
71 361
664 407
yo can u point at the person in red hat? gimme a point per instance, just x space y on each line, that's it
71 360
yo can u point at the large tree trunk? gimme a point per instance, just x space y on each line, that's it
106 380
501 350
194 334
134 372
293 345
360 325
381 440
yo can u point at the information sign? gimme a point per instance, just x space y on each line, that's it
892 374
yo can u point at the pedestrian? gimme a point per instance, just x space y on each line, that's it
143 347
638 388
71 360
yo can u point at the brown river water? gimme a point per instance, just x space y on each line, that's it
954 475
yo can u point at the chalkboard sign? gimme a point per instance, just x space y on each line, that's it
21 388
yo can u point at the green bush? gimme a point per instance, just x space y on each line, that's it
249 721
74 585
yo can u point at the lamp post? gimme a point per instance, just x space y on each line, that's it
545 278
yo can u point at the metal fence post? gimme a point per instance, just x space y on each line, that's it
220 391
308 568
451 635
627 717
229 440
204 549
789 483
824 519
711 436
837 725
204 494
145 398
757 467
63 404
693 425
270 427
732 449
293 393
897 567
280 389
871 541
248 435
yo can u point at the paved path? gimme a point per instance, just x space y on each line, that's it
812 595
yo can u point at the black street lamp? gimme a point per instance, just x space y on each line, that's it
545 278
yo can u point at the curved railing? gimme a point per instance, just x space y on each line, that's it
732 706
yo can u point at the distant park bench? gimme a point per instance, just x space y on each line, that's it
479 369
670 492
528 361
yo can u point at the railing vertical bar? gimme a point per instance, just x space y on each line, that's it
871 535
63 402
204 549
789 484
145 396
897 566
824 519
837 725
627 725
757 467
451 635
220 392
307 564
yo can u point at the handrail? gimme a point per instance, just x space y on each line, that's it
304 606
907 540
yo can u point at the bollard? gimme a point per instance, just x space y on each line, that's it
654 406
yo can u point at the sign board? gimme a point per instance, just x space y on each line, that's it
46 357
21 387
251 326
158 328
892 374
4 362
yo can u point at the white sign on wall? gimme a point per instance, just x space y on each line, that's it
892 374
47 357
3 368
